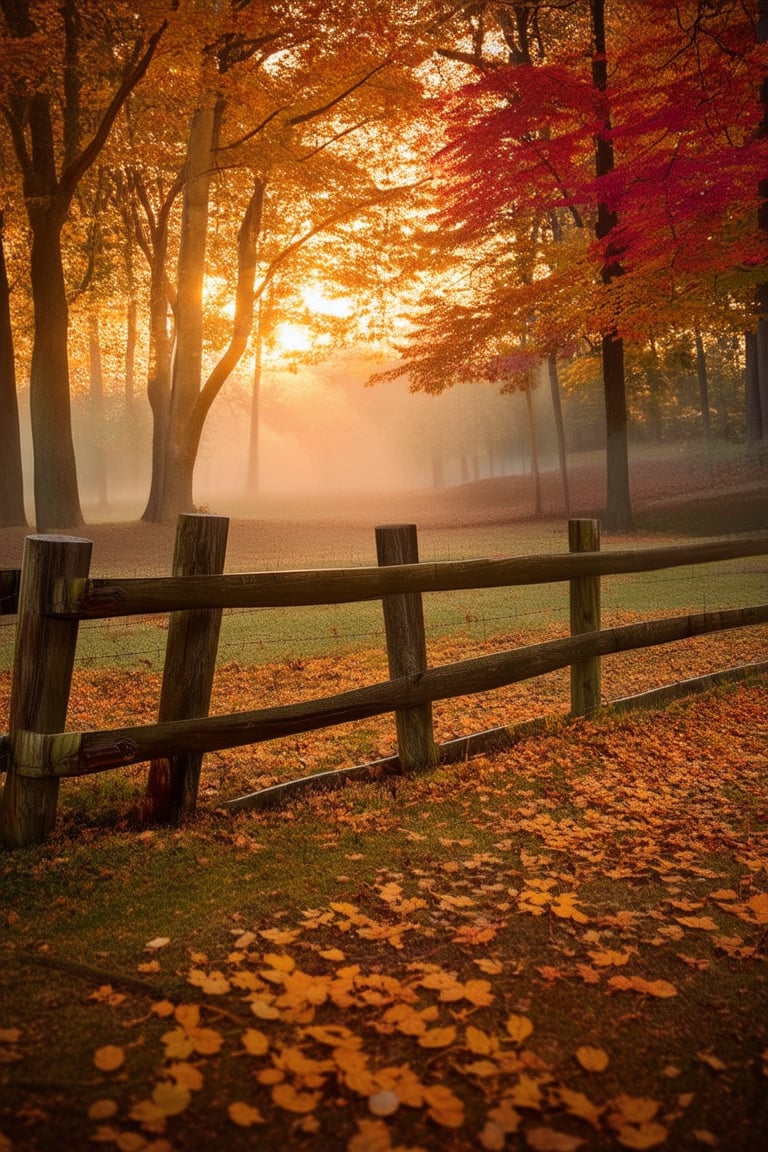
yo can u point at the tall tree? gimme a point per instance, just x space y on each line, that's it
59 121
11 477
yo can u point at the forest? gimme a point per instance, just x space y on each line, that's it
235 215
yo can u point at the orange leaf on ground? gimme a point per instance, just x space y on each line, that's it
109 1058
244 1115
519 1028
592 1059
549 1140
438 1037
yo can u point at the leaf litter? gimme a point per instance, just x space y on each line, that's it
564 950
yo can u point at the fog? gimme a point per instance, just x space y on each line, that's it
321 430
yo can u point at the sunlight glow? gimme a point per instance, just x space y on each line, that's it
316 301
293 337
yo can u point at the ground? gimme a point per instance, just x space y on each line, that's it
560 946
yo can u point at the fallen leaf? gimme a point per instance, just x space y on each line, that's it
438 1037
109 1058
519 1028
244 1115
548 1140
592 1059
287 1097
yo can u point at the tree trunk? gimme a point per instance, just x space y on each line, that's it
760 347
187 363
618 516
754 414
96 429
701 376
11 475
57 503
252 481
534 450
557 409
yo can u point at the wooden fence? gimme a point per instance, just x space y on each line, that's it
55 593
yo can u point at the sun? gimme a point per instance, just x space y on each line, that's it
291 337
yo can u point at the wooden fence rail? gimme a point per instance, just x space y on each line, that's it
56 593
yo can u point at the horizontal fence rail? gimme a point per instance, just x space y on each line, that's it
82 753
93 599
55 592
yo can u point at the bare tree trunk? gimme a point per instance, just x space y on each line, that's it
557 409
534 449
252 482
179 466
618 517
701 376
57 501
11 475
96 430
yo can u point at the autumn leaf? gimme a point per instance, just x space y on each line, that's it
705 923
288 1098
548 1140
244 1115
211 983
759 906
102 1110
519 1028
109 1058
592 1059
445 1108
256 1043
645 1135
438 1037
371 1136
170 1098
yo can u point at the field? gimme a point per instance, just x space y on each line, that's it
561 946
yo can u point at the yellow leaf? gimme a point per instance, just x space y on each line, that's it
438 1037
759 905
171 1099
186 1075
492 1137
280 961
130 1142
479 993
525 1094
102 1110
480 1042
444 1107
206 1041
286 1096
349 910
519 1028
147 1113
592 1059
646 1135
609 958
636 1109
280 935
372 1136
264 1010
577 1104
549 1140
334 1036
490 967
244 1115
188 1015
705 923
211 983
333 954
162 1008
178 1045
10 1035
505 1117
109 1058
255 1042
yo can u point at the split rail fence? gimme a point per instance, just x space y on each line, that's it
55 593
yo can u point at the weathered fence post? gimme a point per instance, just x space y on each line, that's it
406 647
584 536
42 674
190 662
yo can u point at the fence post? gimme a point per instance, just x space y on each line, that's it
406 647
42 674
190 662
584 536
